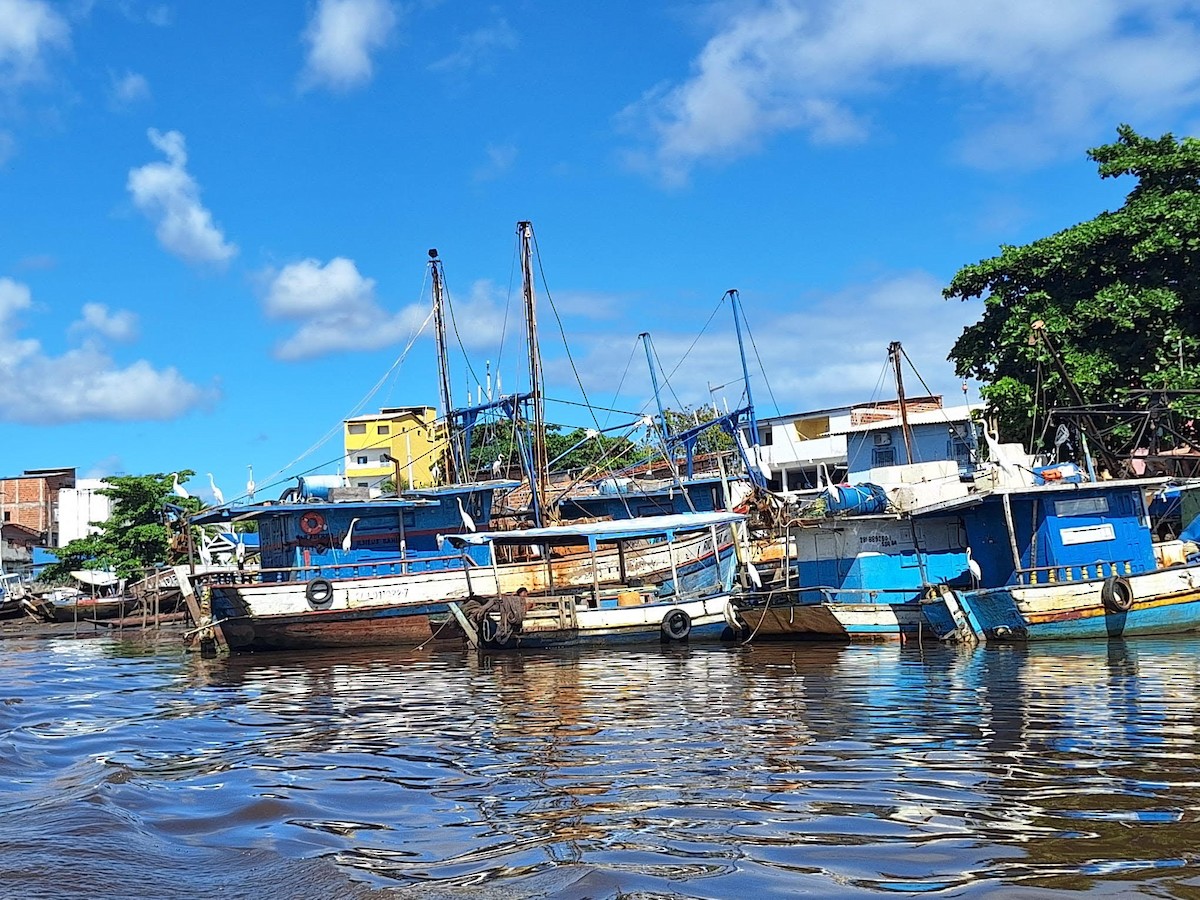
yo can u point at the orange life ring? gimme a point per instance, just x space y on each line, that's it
312 523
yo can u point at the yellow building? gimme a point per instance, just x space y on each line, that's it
400 440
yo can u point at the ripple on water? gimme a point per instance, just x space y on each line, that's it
770 771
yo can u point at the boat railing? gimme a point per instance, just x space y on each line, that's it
1098 570
360 569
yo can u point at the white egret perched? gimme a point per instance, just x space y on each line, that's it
178 489
216 491
250 485
348 540
752 573
468 522
975 570
239 550
497 465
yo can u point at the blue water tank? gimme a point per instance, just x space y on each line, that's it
855 499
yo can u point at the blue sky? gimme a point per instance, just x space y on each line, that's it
214 216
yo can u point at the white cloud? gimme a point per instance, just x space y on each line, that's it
83 384
169 197
341 37
832 352
1060 69
29 30
336 309
500 160
127 88
475 48
119 325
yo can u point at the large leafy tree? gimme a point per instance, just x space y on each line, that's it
136 536
1118 296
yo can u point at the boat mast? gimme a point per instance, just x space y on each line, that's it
662 413
905 430
437 277
539 478
735 301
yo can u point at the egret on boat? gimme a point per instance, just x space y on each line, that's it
250 485
752 574
468 522
497 466
178 489
973 567
349 538
216 491
239 549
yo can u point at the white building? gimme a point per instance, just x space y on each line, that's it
79 507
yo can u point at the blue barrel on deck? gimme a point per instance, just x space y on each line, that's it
855 499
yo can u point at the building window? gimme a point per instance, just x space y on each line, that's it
361 460
766 436
385 429
958 450
7 516
383 458
356 429
883 456
363 484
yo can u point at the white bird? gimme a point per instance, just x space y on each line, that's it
752 573
994 452
178 489
496 467
250 485
216 491
591 433
239 550
468 522
973 566
349 538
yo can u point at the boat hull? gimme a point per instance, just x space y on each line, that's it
396 608
833 621
1165 601
708 619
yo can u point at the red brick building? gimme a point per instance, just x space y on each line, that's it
31 500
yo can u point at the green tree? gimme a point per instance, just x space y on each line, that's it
1119 295
136 535
712 440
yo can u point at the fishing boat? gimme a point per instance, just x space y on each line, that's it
1066 558
339 573
650 579
855 561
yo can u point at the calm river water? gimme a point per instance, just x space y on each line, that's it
131 769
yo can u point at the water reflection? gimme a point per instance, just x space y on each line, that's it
769 770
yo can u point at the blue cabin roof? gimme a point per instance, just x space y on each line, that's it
1066 532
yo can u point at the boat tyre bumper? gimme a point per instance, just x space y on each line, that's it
676 625
1117 594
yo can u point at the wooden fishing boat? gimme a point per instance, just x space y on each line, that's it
1067 560
650 579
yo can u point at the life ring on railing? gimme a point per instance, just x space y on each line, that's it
319 593
312 523
676 625
1117 594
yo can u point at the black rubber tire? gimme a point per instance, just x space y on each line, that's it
676 625
319 593
1117 594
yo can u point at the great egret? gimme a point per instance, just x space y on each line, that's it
216 491
239 550
468 522
349 538
250 485
975 570
497 466
178 489
752 573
